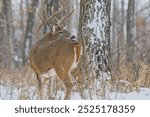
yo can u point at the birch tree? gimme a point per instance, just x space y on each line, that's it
94 29
74 18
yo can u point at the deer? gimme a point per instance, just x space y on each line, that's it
56 52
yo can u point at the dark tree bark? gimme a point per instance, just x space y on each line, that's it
2 29
2 21
6 28
114 11
29 29
130 30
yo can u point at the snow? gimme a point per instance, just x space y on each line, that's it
142 94
12 93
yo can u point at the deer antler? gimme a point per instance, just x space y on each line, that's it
65 17
46 19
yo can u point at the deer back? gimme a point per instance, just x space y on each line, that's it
53 54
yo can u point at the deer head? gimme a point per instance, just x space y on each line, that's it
57 52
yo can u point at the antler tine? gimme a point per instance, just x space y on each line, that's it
44 22
43 18
65 17
46 19
54 14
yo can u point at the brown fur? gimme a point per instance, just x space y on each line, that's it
54 52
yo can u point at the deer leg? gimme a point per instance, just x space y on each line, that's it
64 77
39 80
39 85
68 84
77 74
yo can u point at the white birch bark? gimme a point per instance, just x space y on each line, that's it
74 18
95 36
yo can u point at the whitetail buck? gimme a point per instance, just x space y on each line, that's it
56 51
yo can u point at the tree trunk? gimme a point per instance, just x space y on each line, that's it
114 11
123 21
8 26
130 30
29 30
94 34
2 23
74 18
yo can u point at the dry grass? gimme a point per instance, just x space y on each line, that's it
18 83
130 76
22 84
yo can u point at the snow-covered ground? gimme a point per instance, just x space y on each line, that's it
11 93
142 94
